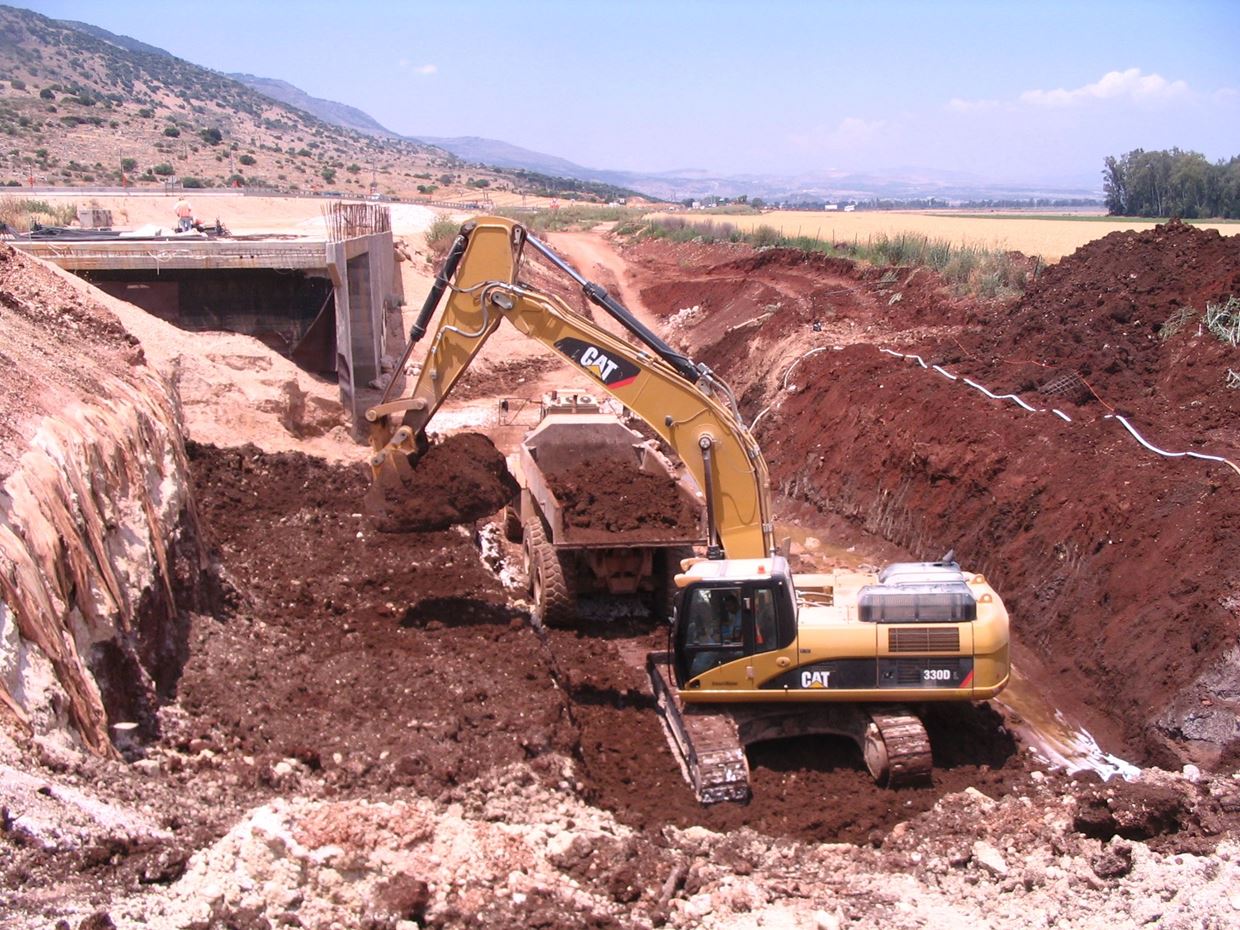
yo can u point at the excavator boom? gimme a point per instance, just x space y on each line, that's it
690 408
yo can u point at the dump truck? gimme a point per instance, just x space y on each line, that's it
602 511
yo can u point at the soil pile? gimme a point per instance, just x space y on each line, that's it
458 480
48 329
602 501
386 659
1125 314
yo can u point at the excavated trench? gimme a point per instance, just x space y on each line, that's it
398 659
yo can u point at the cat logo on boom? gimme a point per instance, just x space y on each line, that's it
613 372
815 679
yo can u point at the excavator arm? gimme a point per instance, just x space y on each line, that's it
686 405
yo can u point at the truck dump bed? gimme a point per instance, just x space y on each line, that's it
598 483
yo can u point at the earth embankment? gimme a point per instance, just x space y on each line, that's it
1113 560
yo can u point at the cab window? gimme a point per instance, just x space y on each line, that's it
714 628
765 626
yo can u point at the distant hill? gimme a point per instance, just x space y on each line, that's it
338 114
82 106
505 155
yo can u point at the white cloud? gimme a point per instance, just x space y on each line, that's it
1123 85
960 105
405 65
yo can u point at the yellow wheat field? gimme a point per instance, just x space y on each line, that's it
1052 238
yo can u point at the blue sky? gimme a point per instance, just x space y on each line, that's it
1032 92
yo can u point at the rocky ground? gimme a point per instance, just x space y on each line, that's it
367 731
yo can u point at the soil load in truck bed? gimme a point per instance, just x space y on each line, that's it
601 501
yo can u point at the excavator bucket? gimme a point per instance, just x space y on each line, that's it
392 476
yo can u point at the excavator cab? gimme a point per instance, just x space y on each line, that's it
723 619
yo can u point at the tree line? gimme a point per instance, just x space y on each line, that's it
1171 183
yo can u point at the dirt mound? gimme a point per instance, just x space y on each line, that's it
750 314
460 479
386 659
1124 313
46 322
601 501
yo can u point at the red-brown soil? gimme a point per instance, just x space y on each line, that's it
1112 560
602 501
384 660
459 479
370 645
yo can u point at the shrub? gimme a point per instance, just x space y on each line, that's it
47 94
129 164
17 84
192 182
211 136
171 132
19 212
146 112
163 169
441 234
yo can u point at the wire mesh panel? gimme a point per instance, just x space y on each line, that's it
350 220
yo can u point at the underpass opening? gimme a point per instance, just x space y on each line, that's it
290 311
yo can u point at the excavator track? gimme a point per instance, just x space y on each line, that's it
897 748
706 741
710 739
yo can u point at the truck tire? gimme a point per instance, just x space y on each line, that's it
549 583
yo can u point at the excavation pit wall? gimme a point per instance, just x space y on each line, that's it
100 555
1113 560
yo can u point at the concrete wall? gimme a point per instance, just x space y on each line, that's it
363 270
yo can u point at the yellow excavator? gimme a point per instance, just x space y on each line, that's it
755 653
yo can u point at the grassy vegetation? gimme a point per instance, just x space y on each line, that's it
21 213
574 216
441 233
969 269
1221 319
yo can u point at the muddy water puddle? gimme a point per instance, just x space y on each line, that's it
1052 736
